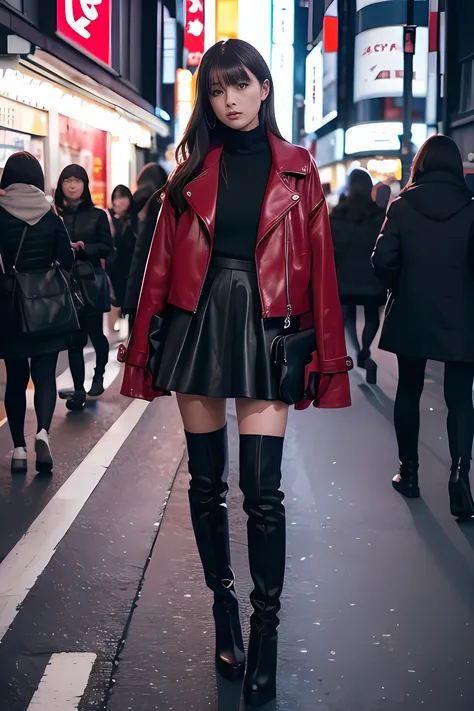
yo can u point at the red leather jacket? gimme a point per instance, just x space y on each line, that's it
294 206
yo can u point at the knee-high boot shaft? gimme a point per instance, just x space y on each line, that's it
260 479
208 466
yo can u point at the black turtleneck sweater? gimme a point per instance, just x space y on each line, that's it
245 168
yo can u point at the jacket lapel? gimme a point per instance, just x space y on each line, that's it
201 192
279 197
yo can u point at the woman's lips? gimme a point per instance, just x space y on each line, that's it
234 115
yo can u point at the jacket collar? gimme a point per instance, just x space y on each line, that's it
201 192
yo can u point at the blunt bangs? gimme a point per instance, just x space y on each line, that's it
227 71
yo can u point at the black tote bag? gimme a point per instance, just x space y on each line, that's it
39 303
94 286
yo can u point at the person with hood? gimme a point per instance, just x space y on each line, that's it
355 226
425 257
90 234
151 181
24 204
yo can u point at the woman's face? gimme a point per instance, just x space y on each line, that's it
73 188
238 106
121 205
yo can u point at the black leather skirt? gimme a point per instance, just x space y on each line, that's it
224 349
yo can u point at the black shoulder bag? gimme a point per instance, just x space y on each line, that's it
39 303
293 352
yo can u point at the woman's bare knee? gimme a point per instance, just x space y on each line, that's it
201 414
262 417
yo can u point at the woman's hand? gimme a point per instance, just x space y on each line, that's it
77 246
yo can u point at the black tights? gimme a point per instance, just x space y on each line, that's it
91 327
43 373
371 326
458 380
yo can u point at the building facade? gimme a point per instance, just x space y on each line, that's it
354 87
82 82
456 48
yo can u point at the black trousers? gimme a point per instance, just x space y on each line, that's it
43 373
458 380
371 326
91 327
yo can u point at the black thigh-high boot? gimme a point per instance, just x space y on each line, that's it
260 478
208 466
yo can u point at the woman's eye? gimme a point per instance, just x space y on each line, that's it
242 85
216 92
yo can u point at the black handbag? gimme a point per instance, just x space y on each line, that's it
38 303
291 354
94 287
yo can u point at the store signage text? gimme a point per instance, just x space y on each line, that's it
86 23
48 97
194 32
394 47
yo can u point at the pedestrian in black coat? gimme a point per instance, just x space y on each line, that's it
124 226
147 198
89 229
46 241
355 225
424 256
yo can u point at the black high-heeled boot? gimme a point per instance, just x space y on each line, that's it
406 481
208 466
260 478
460 496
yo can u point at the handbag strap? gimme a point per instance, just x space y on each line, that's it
23 235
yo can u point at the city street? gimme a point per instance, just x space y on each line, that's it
102 596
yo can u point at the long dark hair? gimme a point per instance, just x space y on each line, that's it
230 60
22 167
438 152
73 171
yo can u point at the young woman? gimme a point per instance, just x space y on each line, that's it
355 226
124 221
242 245
424 256
91 238
24 204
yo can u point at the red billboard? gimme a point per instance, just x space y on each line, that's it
194 32
87 25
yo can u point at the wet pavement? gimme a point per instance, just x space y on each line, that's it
377 612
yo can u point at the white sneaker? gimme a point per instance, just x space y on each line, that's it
44 460
19 464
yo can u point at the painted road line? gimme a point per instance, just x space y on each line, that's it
21 568
64 682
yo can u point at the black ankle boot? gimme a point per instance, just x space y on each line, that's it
208 466
406 481
260 478
460 497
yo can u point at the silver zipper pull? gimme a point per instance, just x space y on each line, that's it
289 311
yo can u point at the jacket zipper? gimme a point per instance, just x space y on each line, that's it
289 309
205 275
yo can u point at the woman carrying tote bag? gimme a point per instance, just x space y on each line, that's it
25 212
91 238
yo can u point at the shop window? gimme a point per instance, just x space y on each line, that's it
467 86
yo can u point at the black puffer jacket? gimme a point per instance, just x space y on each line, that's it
90 225
44 243
425 257
146 231
355 225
